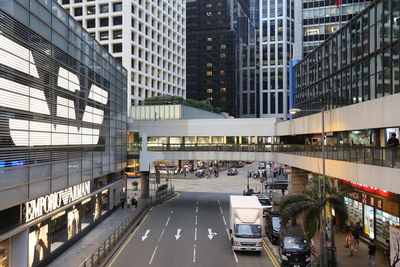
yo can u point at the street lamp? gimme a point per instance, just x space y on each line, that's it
294 111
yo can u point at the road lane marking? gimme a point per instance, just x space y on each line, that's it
195 234
219 203
270 255
197 209
162 233
152 256
194 253
195 222
229 235
172 211
223 217
234 254
222 212
211 234
130 237
146 235
167 220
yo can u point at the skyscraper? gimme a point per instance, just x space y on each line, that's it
322 18
147 37
217 34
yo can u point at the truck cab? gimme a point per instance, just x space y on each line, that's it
293 246
246 223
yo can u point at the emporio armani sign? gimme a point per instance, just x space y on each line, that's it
48 203
33 100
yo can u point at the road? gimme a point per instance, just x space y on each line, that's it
189 230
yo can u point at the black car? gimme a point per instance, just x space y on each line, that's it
293 246
272 226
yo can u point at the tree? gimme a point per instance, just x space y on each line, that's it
311 204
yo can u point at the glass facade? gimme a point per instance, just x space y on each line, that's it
63 103
358 63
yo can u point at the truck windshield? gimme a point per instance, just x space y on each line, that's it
248 231
295 243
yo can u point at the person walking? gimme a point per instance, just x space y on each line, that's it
135 200
350 241
128 202
122 202
371 254
393 141
356 234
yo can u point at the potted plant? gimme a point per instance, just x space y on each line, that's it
134 185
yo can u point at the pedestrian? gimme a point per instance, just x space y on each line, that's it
371 254
356 234
393 141
350 243
283 191
136 198
128 202
122 202
387 250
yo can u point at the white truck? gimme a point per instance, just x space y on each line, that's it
246 223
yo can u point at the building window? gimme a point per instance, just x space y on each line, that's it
209 5
209 91
222 72
65 2
209 73
105 46
209 39
223 46
91 23
103 22
208 14
103 36
209 65
117 7
222 55
104 8
209 47
223 90
117 34
117 48
90 10
77 11
117 20
5 253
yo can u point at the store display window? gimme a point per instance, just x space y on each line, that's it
355 210
86 216
38 243
383 222
5 253
73 222
369 221
58 230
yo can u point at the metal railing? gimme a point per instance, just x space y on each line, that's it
109 244
380 156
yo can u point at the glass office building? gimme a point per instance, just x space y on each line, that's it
358 63
63 127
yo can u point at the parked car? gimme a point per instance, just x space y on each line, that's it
265 202
272 226
262 165
293 246
232 171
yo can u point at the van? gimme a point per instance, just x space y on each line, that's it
293 246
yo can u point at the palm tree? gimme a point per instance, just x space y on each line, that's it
311 204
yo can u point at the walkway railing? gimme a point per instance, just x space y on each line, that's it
107 247
380 156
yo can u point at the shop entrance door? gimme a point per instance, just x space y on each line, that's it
369 221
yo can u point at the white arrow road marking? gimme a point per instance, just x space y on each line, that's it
211 234
146 235
195 234
152 256
167 220
178 234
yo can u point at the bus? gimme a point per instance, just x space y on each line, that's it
132 172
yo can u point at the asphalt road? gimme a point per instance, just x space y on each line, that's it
189 230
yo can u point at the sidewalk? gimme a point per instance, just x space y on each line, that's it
84 247
359 259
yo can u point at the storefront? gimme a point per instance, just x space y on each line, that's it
374 209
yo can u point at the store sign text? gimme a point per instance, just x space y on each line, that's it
366 199
48 203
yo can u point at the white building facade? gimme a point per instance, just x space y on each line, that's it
147 37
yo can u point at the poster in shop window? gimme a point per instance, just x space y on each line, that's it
38 244
73 223
394 246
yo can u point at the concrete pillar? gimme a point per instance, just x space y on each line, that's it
297 179
144 184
